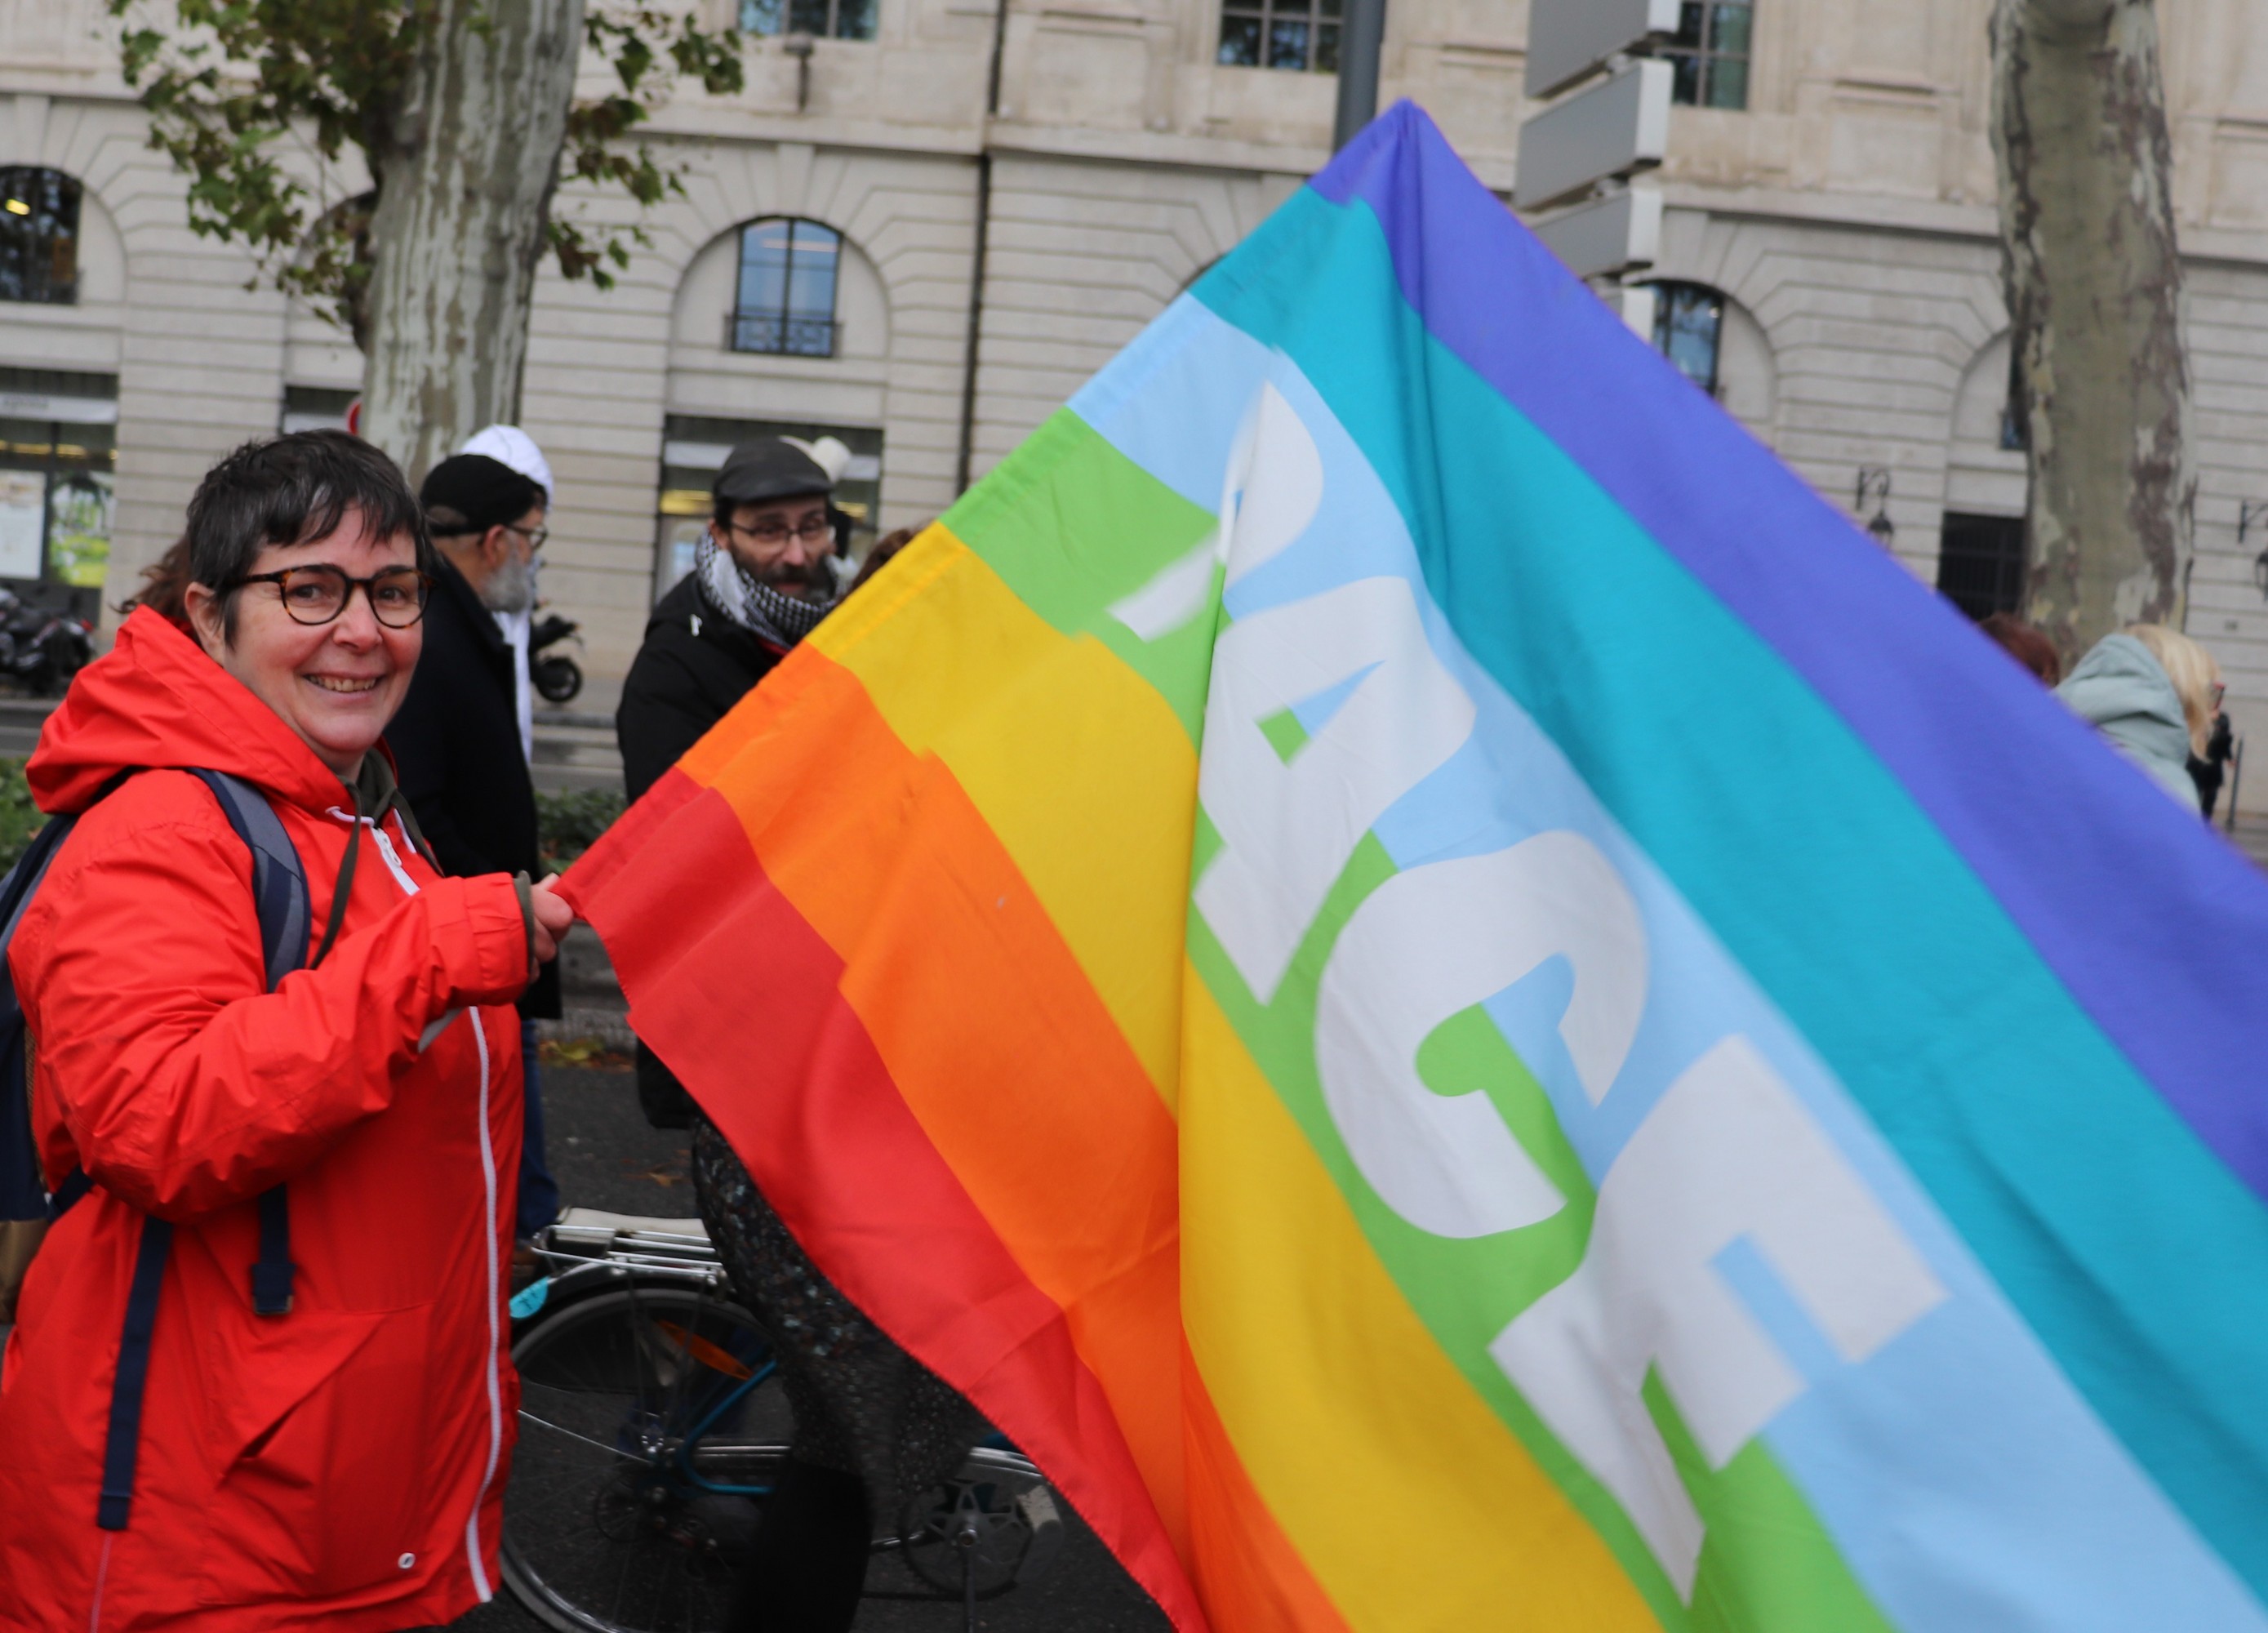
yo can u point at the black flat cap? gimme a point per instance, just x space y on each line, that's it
756 472
485 492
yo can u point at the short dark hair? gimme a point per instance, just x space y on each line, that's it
293 489
2026 643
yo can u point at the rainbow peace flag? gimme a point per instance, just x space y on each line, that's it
1462 1009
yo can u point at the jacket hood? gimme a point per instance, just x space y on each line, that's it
156 701
2122 689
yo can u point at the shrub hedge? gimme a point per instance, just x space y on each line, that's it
567 823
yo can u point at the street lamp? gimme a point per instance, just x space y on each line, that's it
1361 35
1874 487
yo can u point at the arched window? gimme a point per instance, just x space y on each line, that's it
1688 323
38 235
785 299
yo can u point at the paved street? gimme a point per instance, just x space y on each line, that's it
605 1156
21 720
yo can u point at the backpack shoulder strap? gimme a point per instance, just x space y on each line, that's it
23 881
279 882
23 1194
279 892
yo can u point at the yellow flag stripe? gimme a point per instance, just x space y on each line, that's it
1412 1503
1075 761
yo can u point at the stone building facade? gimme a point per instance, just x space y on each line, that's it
1830 223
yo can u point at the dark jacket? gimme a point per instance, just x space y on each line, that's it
463 768
694 666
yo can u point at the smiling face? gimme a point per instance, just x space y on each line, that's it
335 684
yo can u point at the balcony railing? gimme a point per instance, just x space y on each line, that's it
778 335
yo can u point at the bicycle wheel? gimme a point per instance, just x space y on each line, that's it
991 1525
649 1427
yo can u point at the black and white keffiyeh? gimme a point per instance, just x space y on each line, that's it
757 607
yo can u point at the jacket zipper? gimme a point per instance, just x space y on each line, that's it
494 1379
495 1386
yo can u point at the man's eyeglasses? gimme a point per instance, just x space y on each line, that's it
811 529
319 592
536 536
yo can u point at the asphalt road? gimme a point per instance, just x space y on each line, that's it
605 1156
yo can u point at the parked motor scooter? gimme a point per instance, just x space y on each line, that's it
557 677
40 650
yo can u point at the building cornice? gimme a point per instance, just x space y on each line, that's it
1977 223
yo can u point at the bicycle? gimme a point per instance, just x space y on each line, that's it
652 1427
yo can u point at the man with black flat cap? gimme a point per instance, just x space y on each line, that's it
762 578
873 1426
456 739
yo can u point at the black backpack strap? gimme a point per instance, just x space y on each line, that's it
23 1193
74 1184
121 1447
279 883
279 893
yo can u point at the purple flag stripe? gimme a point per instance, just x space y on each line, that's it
2157 928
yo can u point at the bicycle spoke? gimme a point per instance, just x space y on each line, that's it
611 1450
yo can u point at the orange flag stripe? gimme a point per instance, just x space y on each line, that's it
1078 1178
840 1157
886 857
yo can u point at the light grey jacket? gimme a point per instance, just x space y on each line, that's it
2122 691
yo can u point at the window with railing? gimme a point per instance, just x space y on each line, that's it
1980 565
1302 35
1710 53
38 235
785 300
828 19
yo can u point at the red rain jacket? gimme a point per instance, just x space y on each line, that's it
339 1465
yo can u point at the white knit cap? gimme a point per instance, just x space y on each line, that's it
509 445
830 453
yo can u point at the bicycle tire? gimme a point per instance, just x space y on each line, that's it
606 1528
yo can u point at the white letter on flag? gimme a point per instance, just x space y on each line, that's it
1728 1152
1438 939
1287 830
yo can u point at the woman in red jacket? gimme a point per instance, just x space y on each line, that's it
337 1463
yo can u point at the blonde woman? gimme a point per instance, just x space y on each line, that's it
2195 678
2155 693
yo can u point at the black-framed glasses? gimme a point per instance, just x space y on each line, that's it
771 530
319 592
536 536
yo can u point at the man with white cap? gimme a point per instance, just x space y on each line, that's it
467 712
512 447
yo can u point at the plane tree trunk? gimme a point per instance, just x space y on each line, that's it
2094 281
466 165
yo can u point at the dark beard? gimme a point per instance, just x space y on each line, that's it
813 581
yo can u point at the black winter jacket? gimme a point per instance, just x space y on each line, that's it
464 770
694 666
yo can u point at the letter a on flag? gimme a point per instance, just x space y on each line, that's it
1462 1009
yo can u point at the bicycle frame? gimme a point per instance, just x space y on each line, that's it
685 1447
